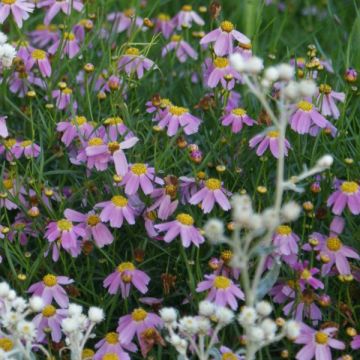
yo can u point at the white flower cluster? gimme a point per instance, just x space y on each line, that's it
7 51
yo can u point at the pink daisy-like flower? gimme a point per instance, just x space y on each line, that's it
220 71
3 128
20 10
40 58
50 288
70 45
228 354
63 98
77 127
12 191
134 62
164 25
28 148
136 323
223 291
237 118
166 202
211 192
113 343
186 17
223 38
347 194
268 140
245 50
182 49
317 344
124 20
355 344
125 275
327 98
306 275
178 116
183 226
116 210
55 6
44 35
285 240
93 226
49 320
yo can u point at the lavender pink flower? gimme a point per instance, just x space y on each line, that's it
20 10
186 17
347 195
237 117
327 99
182 49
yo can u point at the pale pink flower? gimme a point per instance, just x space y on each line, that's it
20 10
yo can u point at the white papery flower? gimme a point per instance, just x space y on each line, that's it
263 308
96 314
168 315
206 308
224 315
247 316
189 325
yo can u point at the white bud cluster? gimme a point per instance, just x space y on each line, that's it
214 231
253 65
7 51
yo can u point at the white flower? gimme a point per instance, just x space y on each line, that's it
206 308
270 218
290 211
75 310
3 38
242 210
286 72
292 329
96 314
224 315
256 334
7 54
204 325
291 90
271 74
247 316
175 340
11 295
4 289
214 230
19 304
325 162
26 329
189 325
237 62
69 325
36 303
269 327
254 65
263 308
307 88
168 315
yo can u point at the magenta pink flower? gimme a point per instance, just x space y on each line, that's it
124 20
220 71
70 45
306 275
19 82
44 35
317 344
77 127
50 288
327 99
11 192
285 240
223 38
211 192
164 25
116 210
93 226
355 344
40 58
28 148
49 320
54 6
268 140
125 275
165 201
113 343
186 17
3 128
136 323
63 98
183 226
182 49
347 194
20 10
139 175
237 118
223 291
176 117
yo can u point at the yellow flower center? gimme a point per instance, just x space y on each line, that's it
228 356
49 280
305 274
8 2
112 338
129 12
68 36
149 333
95 141
227 26
220 62
178 110
239 112
304 105
333 243
132 51
8 184
226 255
93 220
110 356
186 8
139 169
49 311
171 190
6 344
126 266
113 146
163 17
67 91
26 143
222 282
176 38
9 143
164 103
321 338
349 187
113 121
283 230
273 134
325 89
87 354
38 54
64 225
79 120
308 297
213 184
185 219
119 201
139 314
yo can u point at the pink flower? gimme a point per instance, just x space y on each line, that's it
186 17
223 291
77 127
270 139
116 210
44 35
93 226
125 275
348 194
63 98
285 240
211 192
237 118
50 288
327 98
166 202
113 343
70 45
318 344
182 49
40 58
136 323
133 62
3 129
223 38
176 117
164 25
28 148
12 191
20 10
124 20
54 6
49 320
183 226
306 275
355 344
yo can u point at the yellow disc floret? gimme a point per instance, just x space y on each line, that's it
49 280
222 282
213 184
139 314
185 219
220 62
283 230
126 266
138 169
112 338
321 338
227 26
239 112
49 311
333 243
304 105
349 187
64 225
178 110
119 201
